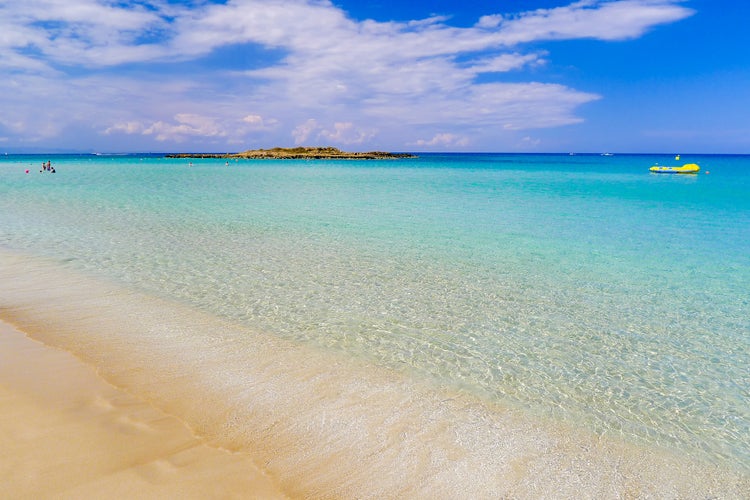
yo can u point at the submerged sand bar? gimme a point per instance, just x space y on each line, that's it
300 153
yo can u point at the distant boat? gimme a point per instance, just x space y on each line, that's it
688 168
608 154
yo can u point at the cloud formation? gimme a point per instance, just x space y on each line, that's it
443 139
153 70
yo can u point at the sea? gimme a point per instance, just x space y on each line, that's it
446 326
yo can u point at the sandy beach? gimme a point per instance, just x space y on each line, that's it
65 432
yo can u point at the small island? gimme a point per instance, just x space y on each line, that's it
299 153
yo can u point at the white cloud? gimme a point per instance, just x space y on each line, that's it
302 133
490 21
346 133
93 32
185 125
506 62
528 141
603 20
339 133
443 140
337 79
253 119
125 128
255 123
82 32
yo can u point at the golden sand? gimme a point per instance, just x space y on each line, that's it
67 433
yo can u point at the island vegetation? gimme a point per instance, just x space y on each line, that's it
299 153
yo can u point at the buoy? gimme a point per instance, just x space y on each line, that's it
27 170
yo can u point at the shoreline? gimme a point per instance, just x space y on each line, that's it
323 424
66 431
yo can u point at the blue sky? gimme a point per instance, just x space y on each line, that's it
444 75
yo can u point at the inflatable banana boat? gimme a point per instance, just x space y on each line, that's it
688 168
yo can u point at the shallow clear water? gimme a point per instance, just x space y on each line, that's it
578 288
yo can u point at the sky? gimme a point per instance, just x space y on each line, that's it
117 76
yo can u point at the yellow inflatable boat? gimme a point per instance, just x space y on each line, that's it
688 168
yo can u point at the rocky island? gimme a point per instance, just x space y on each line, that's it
300 153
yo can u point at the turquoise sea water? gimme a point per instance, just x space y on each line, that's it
581 289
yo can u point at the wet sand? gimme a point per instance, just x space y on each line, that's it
65 432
